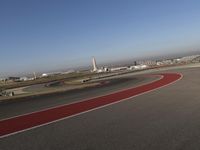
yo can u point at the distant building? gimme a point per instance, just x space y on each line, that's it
24 79
146 62
189 58
45 75
14 78
94 65
2 79
119 69
103 69
51 74
95 69
138 67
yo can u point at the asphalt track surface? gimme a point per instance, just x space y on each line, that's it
167 118
23 122
31 104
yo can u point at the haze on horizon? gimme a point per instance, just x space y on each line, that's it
56 34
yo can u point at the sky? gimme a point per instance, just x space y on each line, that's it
40 35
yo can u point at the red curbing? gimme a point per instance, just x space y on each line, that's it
24 122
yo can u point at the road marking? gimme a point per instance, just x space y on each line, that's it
44 117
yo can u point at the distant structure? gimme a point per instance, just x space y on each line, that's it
94 65
135 63
14 78
35 77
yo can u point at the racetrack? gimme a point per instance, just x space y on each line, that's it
26 121
163 119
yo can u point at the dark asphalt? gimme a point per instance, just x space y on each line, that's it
25 105
166 119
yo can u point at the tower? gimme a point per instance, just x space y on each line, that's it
94 65
35 77
135 63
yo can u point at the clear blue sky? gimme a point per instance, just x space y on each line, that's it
40 35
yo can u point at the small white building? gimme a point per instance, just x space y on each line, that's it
24 79
119 69
138 67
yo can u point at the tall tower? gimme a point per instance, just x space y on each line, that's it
35 77
94 64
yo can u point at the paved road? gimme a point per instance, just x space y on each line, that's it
23 122
26 105
167 118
